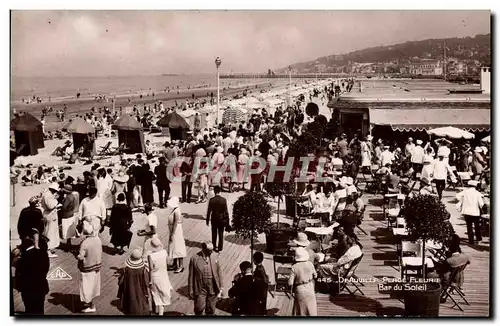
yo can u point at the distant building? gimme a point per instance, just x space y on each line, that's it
426 68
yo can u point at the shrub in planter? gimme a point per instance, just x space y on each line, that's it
426 219
251 216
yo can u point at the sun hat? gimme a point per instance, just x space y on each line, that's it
173 202
54 186
121 176
410 139
88 229
419 142
387 146
34 200
478 150
67 189
473 183
369 137
301 254
156 244
301 240
135 259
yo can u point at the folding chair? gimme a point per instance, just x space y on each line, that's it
350 278
410 258
105 150
451 287
282 272
120 149
463 178
339 208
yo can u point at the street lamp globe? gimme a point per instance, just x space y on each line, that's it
217 62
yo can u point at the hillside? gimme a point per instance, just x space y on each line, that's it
466 48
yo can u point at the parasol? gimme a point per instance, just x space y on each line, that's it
233 115
79 126
451 132
173 120
127 122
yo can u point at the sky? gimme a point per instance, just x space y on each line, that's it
113 43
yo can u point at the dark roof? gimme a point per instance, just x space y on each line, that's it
25 122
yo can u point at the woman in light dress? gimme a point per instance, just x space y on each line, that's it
104 184
176 244
241 167
49 208
302 282
366 155
160 283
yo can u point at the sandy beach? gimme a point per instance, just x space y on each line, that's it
83 105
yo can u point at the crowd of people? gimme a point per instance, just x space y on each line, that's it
213 160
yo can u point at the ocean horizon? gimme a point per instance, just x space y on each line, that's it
89 86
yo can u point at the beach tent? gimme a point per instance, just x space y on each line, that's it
177 124
130 134
28 133
83 133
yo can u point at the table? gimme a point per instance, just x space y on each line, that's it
417 261
322 231
400 231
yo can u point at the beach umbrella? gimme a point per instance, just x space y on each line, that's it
79 126
233 115
127 122
486 139
451 132
174 120
25 122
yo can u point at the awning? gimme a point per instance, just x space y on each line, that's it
423 119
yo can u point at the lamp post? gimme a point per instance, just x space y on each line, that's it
290 86
217 64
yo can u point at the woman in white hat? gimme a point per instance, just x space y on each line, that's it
303 242
176 243
302 282
119 183
160 283
49 206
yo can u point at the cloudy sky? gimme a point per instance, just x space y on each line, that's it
104 43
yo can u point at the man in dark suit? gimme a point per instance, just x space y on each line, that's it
162 181
261 281
204 280
217 211
243 290
31 277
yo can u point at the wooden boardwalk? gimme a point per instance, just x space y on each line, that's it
379 260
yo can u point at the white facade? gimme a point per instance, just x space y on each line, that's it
486 79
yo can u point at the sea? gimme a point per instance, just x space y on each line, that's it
67 87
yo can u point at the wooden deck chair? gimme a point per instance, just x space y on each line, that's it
60 150
105 150
463 178
350 279
451 287
120 149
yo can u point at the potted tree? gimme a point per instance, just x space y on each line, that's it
278 231
251 216
426 219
